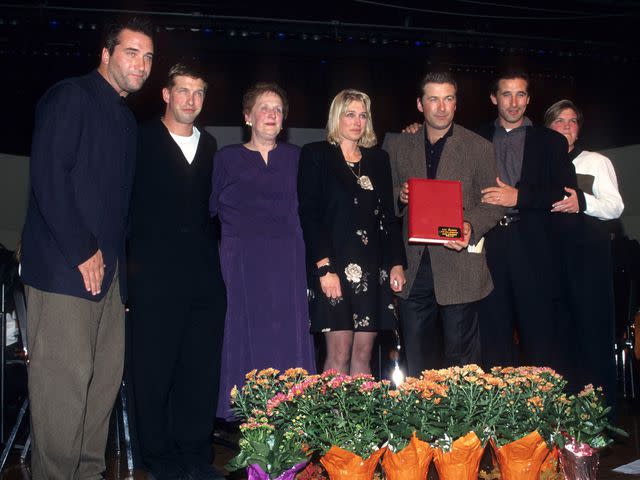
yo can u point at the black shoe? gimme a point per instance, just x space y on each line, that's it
204 471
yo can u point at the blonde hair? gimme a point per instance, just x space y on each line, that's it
338 108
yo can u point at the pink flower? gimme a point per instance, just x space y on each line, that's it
369 386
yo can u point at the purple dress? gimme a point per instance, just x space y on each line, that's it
262 257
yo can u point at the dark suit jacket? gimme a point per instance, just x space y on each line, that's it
546 237
325 187
172 244
459 277
81 171
546 169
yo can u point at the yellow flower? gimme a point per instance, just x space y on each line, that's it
293 372
535 402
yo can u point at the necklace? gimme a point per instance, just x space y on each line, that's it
362 180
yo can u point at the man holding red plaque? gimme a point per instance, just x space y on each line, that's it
444 281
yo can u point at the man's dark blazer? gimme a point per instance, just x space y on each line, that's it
546 170
81 171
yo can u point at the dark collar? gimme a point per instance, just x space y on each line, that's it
106 90
525 123
441 139
577 150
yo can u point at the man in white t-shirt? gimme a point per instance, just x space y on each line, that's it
177 296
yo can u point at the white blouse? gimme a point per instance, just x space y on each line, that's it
606 202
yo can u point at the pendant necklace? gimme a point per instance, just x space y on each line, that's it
362 180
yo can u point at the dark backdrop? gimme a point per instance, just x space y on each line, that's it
313 62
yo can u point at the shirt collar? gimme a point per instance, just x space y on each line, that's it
526 122
107 90
577 150
441 139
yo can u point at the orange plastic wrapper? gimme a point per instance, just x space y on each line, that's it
410 463
462 462
522 458
549 468
341 464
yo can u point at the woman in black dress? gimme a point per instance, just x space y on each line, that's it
589 298
355 253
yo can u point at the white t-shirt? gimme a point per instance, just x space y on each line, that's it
189 144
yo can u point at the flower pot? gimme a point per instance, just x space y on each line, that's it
549 468
255 472
341 464
579 461
462 462
522 458
410 463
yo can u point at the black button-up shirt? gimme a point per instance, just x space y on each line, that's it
434 152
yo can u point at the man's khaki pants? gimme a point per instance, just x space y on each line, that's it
76 351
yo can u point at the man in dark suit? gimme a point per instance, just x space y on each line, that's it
523 249
177 295
73 262
444 281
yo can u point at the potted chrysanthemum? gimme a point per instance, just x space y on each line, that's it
266 452
339 417
585 430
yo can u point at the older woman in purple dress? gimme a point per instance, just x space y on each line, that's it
262 253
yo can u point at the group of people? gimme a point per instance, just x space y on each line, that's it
311 240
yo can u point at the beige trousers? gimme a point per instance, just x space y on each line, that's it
76 351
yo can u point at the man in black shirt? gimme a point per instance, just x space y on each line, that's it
82 164
447 281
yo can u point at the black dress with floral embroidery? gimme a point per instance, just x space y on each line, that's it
347 215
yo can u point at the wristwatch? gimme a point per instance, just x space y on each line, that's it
322 270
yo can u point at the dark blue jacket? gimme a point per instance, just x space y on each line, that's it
81 171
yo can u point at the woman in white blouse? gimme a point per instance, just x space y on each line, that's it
587 306
596 176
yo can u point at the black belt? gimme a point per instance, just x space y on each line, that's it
508 220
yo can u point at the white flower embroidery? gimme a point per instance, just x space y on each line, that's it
334 301
359 323
363 236
353 272
383 275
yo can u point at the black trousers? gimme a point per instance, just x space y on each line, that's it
585 318
521 265
176 344
436 336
